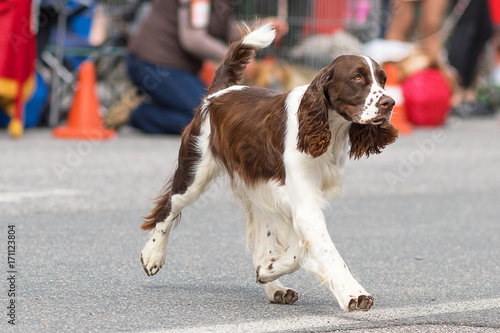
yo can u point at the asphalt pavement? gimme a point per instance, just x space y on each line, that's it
419 226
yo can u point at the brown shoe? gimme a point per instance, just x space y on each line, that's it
119 114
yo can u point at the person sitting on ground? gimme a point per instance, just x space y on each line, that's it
167 53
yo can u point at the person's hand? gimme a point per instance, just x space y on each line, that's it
279 25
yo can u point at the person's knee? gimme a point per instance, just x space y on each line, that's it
429 25
432 16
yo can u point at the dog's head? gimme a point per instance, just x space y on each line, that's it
353 87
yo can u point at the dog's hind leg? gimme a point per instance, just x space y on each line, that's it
196 169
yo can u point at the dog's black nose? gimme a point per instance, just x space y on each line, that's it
386 103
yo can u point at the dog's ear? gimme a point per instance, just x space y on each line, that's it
370 139
314 131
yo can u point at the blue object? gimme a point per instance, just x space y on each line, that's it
80 24
77 30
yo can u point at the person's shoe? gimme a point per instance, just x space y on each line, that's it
119 114
471 109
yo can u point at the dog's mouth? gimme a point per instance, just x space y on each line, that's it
378 122
380 119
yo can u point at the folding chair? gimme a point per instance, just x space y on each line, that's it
108 56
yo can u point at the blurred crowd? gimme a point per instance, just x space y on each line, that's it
446 51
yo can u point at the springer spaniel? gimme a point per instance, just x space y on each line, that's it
284 154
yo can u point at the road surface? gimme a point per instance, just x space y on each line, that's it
419 226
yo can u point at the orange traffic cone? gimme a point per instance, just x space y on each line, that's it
399 118
84 119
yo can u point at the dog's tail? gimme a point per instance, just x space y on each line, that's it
239 55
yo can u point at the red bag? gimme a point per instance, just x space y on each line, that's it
494 11
427 97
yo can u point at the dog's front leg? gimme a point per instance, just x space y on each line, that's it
323 259
321 256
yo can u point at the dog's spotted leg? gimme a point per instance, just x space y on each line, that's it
155 251
323 259
266 252
348 292
321 256
268 275
284 261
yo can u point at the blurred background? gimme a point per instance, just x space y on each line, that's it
441 57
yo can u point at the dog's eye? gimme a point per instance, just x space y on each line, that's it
358 78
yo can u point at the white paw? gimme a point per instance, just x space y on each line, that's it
361 301
286 296
154 252
352 299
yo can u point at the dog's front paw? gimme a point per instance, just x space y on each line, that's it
360 303
288 296
153 255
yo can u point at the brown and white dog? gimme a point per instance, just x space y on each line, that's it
284 154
